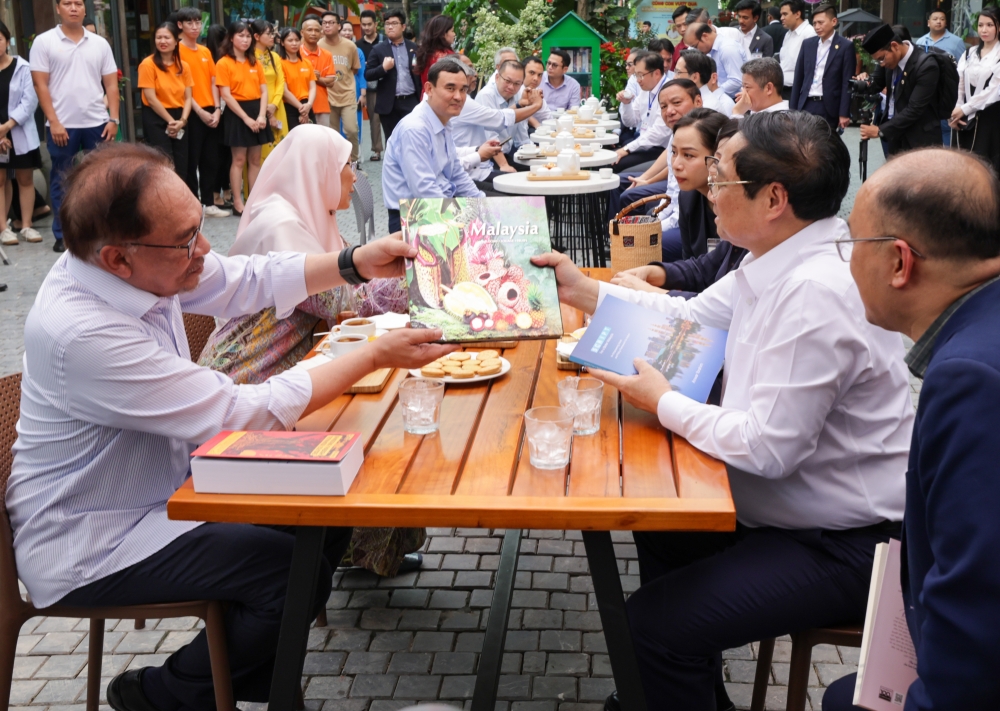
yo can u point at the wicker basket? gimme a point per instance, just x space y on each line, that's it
637 242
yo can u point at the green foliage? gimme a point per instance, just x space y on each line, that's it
484 26
610 19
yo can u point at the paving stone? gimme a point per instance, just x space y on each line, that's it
387 705
369 686
744 652
554 687
403 580
514 687
440 531
342 619
24 667
391 642
323 663
571 565
454 663
410 663
328 687
510 663
530 598
446 545
432 561
587 621
59 624
744 672
596 689
338 600
541 563
457 687
542 620
175 640
780 670
473 579
409 598
418 687
23 691
489 562
26 642
568 664
528 546
622 537
345 705
453 620
559 641
516 641
825 653
147 660
522 580
380 619
602 665
436 579
470 532
482 545
420 620
850 655
630 583
62 666
60 691
111 665
348 640
533 706
357 579
568 601
57 643
449 599
142 642
364 599
433 641
481 598
555 548
316 641
577 706
179 624
455 561
470 642
829 673
581 584
366 663
594 642
534 663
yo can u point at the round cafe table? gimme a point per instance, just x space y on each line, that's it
601 157
608 139
609 124
577 210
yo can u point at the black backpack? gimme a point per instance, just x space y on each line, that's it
946 95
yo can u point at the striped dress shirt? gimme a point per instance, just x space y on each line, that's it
112 406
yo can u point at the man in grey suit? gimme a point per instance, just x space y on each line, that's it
756 42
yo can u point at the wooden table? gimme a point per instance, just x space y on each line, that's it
475 472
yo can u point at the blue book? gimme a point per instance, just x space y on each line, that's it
688 354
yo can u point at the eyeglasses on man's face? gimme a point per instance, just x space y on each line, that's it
714 186
553 65
188 246
512 83
393 23
845 247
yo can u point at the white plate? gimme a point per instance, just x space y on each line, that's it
504 367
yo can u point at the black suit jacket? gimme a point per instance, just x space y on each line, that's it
914 124
777 33
387 79
840 66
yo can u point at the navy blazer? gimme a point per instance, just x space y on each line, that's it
386 96
840 67
951 529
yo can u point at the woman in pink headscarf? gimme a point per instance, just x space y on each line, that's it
293 207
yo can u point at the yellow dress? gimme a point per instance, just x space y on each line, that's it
275 78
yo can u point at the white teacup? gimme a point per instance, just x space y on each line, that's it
606 172
358 326
560 112
345 343
628 95
536 169
586 113
600 131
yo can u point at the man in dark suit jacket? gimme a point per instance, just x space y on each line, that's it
398 93
748 15
830 97
775 29
942 205
911 78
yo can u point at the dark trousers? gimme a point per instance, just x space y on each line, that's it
816 108
246 566
203 157
154 131
839 695
487 185
671 246
394 224
402 106
80 139
637 158
703 593
786 93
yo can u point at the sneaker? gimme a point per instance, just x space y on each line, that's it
30 234
8 236
216 211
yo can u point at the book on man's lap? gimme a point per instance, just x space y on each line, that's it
276 462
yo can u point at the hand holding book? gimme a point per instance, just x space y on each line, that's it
575 288
643 390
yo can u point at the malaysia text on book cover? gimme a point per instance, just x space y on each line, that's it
472 276
688 354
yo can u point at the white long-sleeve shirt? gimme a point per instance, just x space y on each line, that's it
790 48
653 132
112 407
815 419
627 113
973 72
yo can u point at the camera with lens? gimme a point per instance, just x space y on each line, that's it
865 96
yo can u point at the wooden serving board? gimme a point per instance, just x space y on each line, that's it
566 364
373 382
586 122
555 154
495 345
582 175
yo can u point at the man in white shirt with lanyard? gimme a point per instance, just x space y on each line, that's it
814 423
793 14
653 133
73 71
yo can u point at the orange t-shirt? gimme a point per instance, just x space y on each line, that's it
169 85
244 81
297 77
322 62
202 71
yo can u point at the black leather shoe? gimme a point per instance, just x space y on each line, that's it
125 692
58 246
411 562
611 703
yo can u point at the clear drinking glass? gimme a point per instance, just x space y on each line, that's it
550 435
582 397
420 399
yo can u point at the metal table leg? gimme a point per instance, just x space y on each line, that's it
578 226
307 559
488 677
614 619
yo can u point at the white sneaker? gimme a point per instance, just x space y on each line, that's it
30 234
216 211
8 237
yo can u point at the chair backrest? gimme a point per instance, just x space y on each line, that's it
10 411
198 329
363 201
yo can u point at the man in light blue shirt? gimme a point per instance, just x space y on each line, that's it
728 53
942 39
112 407
421 159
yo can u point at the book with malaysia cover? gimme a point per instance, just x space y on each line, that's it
277 462
472 276
688 354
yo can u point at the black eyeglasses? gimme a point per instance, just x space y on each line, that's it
189 245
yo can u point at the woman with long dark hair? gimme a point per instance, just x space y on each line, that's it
436 42
263 46
975 122
245 128
300 79
166 82
215 37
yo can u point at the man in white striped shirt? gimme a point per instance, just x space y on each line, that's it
112 406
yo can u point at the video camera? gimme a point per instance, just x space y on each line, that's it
865 98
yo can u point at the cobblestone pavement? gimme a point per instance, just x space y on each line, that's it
414 638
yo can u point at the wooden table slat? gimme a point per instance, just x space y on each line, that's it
322 418
647 462
366 412
596 467
698 475
388 459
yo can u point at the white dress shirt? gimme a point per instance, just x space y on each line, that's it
653 133
815 419
75 72
973 73
729 57
112 407
822 55
490 97
469 131
790 48
627 113
717 100
746 39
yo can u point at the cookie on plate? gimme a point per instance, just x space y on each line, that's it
487 355
429 372
459 356
490 369
462 374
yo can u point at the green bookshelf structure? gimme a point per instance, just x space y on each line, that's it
583 43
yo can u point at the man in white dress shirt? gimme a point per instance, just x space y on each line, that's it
501 93
793 14
630 122
644 110
814 422
723 45
700 68
761 88
112 407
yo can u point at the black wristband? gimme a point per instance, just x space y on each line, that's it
345 263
